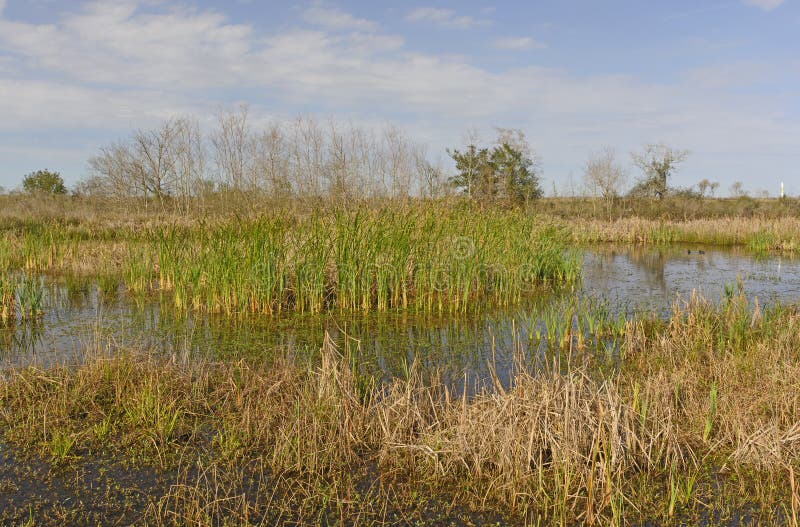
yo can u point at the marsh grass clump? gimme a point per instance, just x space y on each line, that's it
21 296
368 260
700 415
30 296
421 256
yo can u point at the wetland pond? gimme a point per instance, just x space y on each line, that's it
616 283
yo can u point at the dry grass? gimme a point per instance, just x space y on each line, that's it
670 209
758 235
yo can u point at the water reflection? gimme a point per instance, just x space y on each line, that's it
651 278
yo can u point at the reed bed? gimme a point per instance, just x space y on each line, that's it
431 255
421 259
405 257
759 236
701 416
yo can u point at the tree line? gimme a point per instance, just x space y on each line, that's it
177 162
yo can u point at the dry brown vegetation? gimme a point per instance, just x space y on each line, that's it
758 235
701 416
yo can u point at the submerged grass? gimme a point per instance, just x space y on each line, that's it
701 415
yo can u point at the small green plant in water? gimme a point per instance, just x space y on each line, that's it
761 243
60 446
102 430
30 297
681 488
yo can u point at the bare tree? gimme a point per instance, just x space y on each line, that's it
603 175
367 160
707 188
657 162
190 159
703 187
271 162
307 156
300 158
93 185
111 172
430 176
232 142
144 167
737 190
397 162
340 163
154 160
515 138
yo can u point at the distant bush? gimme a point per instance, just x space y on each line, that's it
509 172
685 192
44 182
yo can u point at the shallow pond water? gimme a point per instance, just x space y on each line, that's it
616 282
652 278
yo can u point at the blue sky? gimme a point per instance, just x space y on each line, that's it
720 79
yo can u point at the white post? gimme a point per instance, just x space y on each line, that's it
782 194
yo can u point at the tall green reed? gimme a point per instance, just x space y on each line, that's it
420 258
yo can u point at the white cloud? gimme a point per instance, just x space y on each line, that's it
444 18
336 20
32 104
116 44
766 5
114 67
517 43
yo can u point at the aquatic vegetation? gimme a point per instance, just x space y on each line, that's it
420 259
60 446
30 296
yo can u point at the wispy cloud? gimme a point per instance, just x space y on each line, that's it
766 5
444 18
517 43
692 13
336 19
